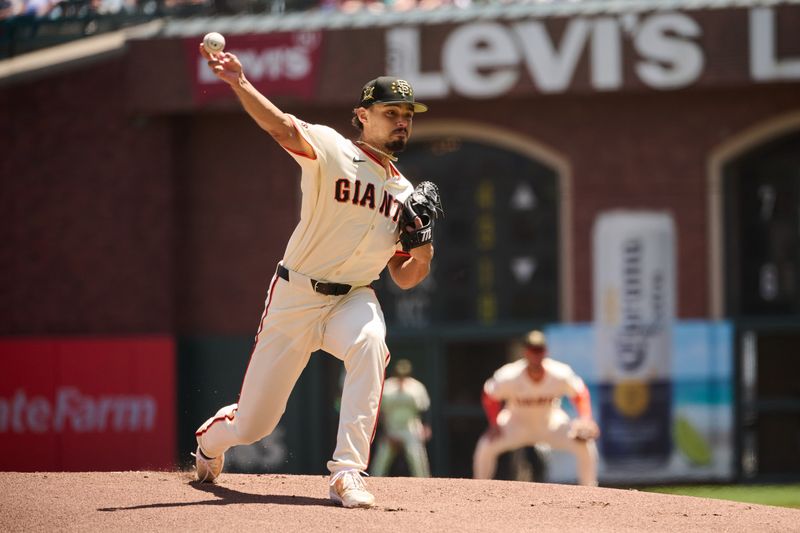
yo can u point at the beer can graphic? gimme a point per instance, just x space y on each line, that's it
634 310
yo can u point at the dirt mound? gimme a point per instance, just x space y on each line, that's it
170 501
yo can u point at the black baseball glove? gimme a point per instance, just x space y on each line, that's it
426 204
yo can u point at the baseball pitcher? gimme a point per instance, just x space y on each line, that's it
522 401
358 215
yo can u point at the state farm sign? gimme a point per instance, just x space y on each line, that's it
72 410
87 404
659 50
277 64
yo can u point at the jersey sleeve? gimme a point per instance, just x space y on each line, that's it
573 383
421 397
577 392
501 385
491 408
323 140
497 389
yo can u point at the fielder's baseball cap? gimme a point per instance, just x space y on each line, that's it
403 367
536 339
389 90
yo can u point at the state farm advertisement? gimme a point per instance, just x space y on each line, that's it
277 64
87 404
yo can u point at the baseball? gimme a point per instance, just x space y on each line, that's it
213 42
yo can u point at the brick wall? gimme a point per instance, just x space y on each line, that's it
85 221
115 221
641 150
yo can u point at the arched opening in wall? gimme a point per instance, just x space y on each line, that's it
501 253
759 276
501 268
762 196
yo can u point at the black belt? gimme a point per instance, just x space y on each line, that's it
328 289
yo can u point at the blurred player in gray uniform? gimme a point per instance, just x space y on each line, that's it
522 401
320 296
404 401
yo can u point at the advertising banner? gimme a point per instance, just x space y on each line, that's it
585 52
634 309
277 64
87 404
662 388
699 430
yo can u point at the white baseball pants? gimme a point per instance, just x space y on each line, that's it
518 432
296 322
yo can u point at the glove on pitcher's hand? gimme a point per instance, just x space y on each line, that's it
583 429
426 204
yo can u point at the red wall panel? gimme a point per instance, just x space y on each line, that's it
87 404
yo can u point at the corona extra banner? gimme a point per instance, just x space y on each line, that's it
87 404
698 433
634 309
662 389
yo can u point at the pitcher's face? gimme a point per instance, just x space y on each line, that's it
388 126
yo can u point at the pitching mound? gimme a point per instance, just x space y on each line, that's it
171 501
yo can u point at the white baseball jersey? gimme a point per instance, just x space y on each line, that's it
532 415
348 232
348 227
402 404
528 399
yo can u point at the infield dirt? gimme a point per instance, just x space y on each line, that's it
172 501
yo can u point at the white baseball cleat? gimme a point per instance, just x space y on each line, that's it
207 469
348 489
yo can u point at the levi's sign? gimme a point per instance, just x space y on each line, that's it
276 64
661 50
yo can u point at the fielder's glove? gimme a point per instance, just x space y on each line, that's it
583 429
426 204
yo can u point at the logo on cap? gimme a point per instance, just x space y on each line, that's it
367 95
388 89
403 88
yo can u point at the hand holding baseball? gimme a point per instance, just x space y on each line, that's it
213 42
224 65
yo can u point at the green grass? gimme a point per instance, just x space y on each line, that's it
779 495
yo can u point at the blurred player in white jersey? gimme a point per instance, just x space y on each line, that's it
404 401
522 401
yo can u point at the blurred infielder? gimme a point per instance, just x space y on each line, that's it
404 400
356 207
531 389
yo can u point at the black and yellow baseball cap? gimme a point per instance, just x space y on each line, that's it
389 90
535 339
